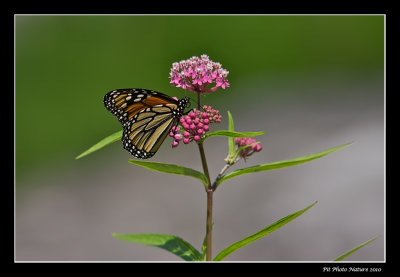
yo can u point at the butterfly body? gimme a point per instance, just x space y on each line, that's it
147 117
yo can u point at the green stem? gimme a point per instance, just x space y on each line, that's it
210 192
209 225
226 167
198 101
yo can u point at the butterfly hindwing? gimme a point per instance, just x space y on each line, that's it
147 117
144 133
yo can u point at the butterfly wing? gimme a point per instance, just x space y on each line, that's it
147 118
126 103
146 131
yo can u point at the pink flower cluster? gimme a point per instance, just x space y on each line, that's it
248 151
195 74
195 125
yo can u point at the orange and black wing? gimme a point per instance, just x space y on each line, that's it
126 103
147 118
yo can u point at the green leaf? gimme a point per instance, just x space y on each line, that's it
263 232
104 142
280 164
231 140
348 253
173 244
231 134
171 168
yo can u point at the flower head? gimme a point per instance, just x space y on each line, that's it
195 125
199 74
248 145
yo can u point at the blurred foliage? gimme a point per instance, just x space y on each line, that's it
64 65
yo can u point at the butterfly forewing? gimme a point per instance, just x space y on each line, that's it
147 117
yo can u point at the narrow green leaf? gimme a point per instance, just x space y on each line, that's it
348 253
280 164
263 232
106 141
171 168
231 140
171 243
231 134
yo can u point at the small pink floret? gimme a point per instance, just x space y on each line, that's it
175 143
192 115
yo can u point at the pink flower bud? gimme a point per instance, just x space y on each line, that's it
196 138
178 137
185 126
186 141
186 134
206 121
200 131
206 128
175 129
192 115
175 143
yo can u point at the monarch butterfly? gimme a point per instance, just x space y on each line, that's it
147 117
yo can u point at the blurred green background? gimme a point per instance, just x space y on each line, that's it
286 74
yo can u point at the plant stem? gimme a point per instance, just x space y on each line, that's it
209 204
209 191
198 101
214 187
209 225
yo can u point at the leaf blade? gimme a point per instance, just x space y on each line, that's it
231 140
173 244
171 168
279 164
263 232
233 134
104 142
348 253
